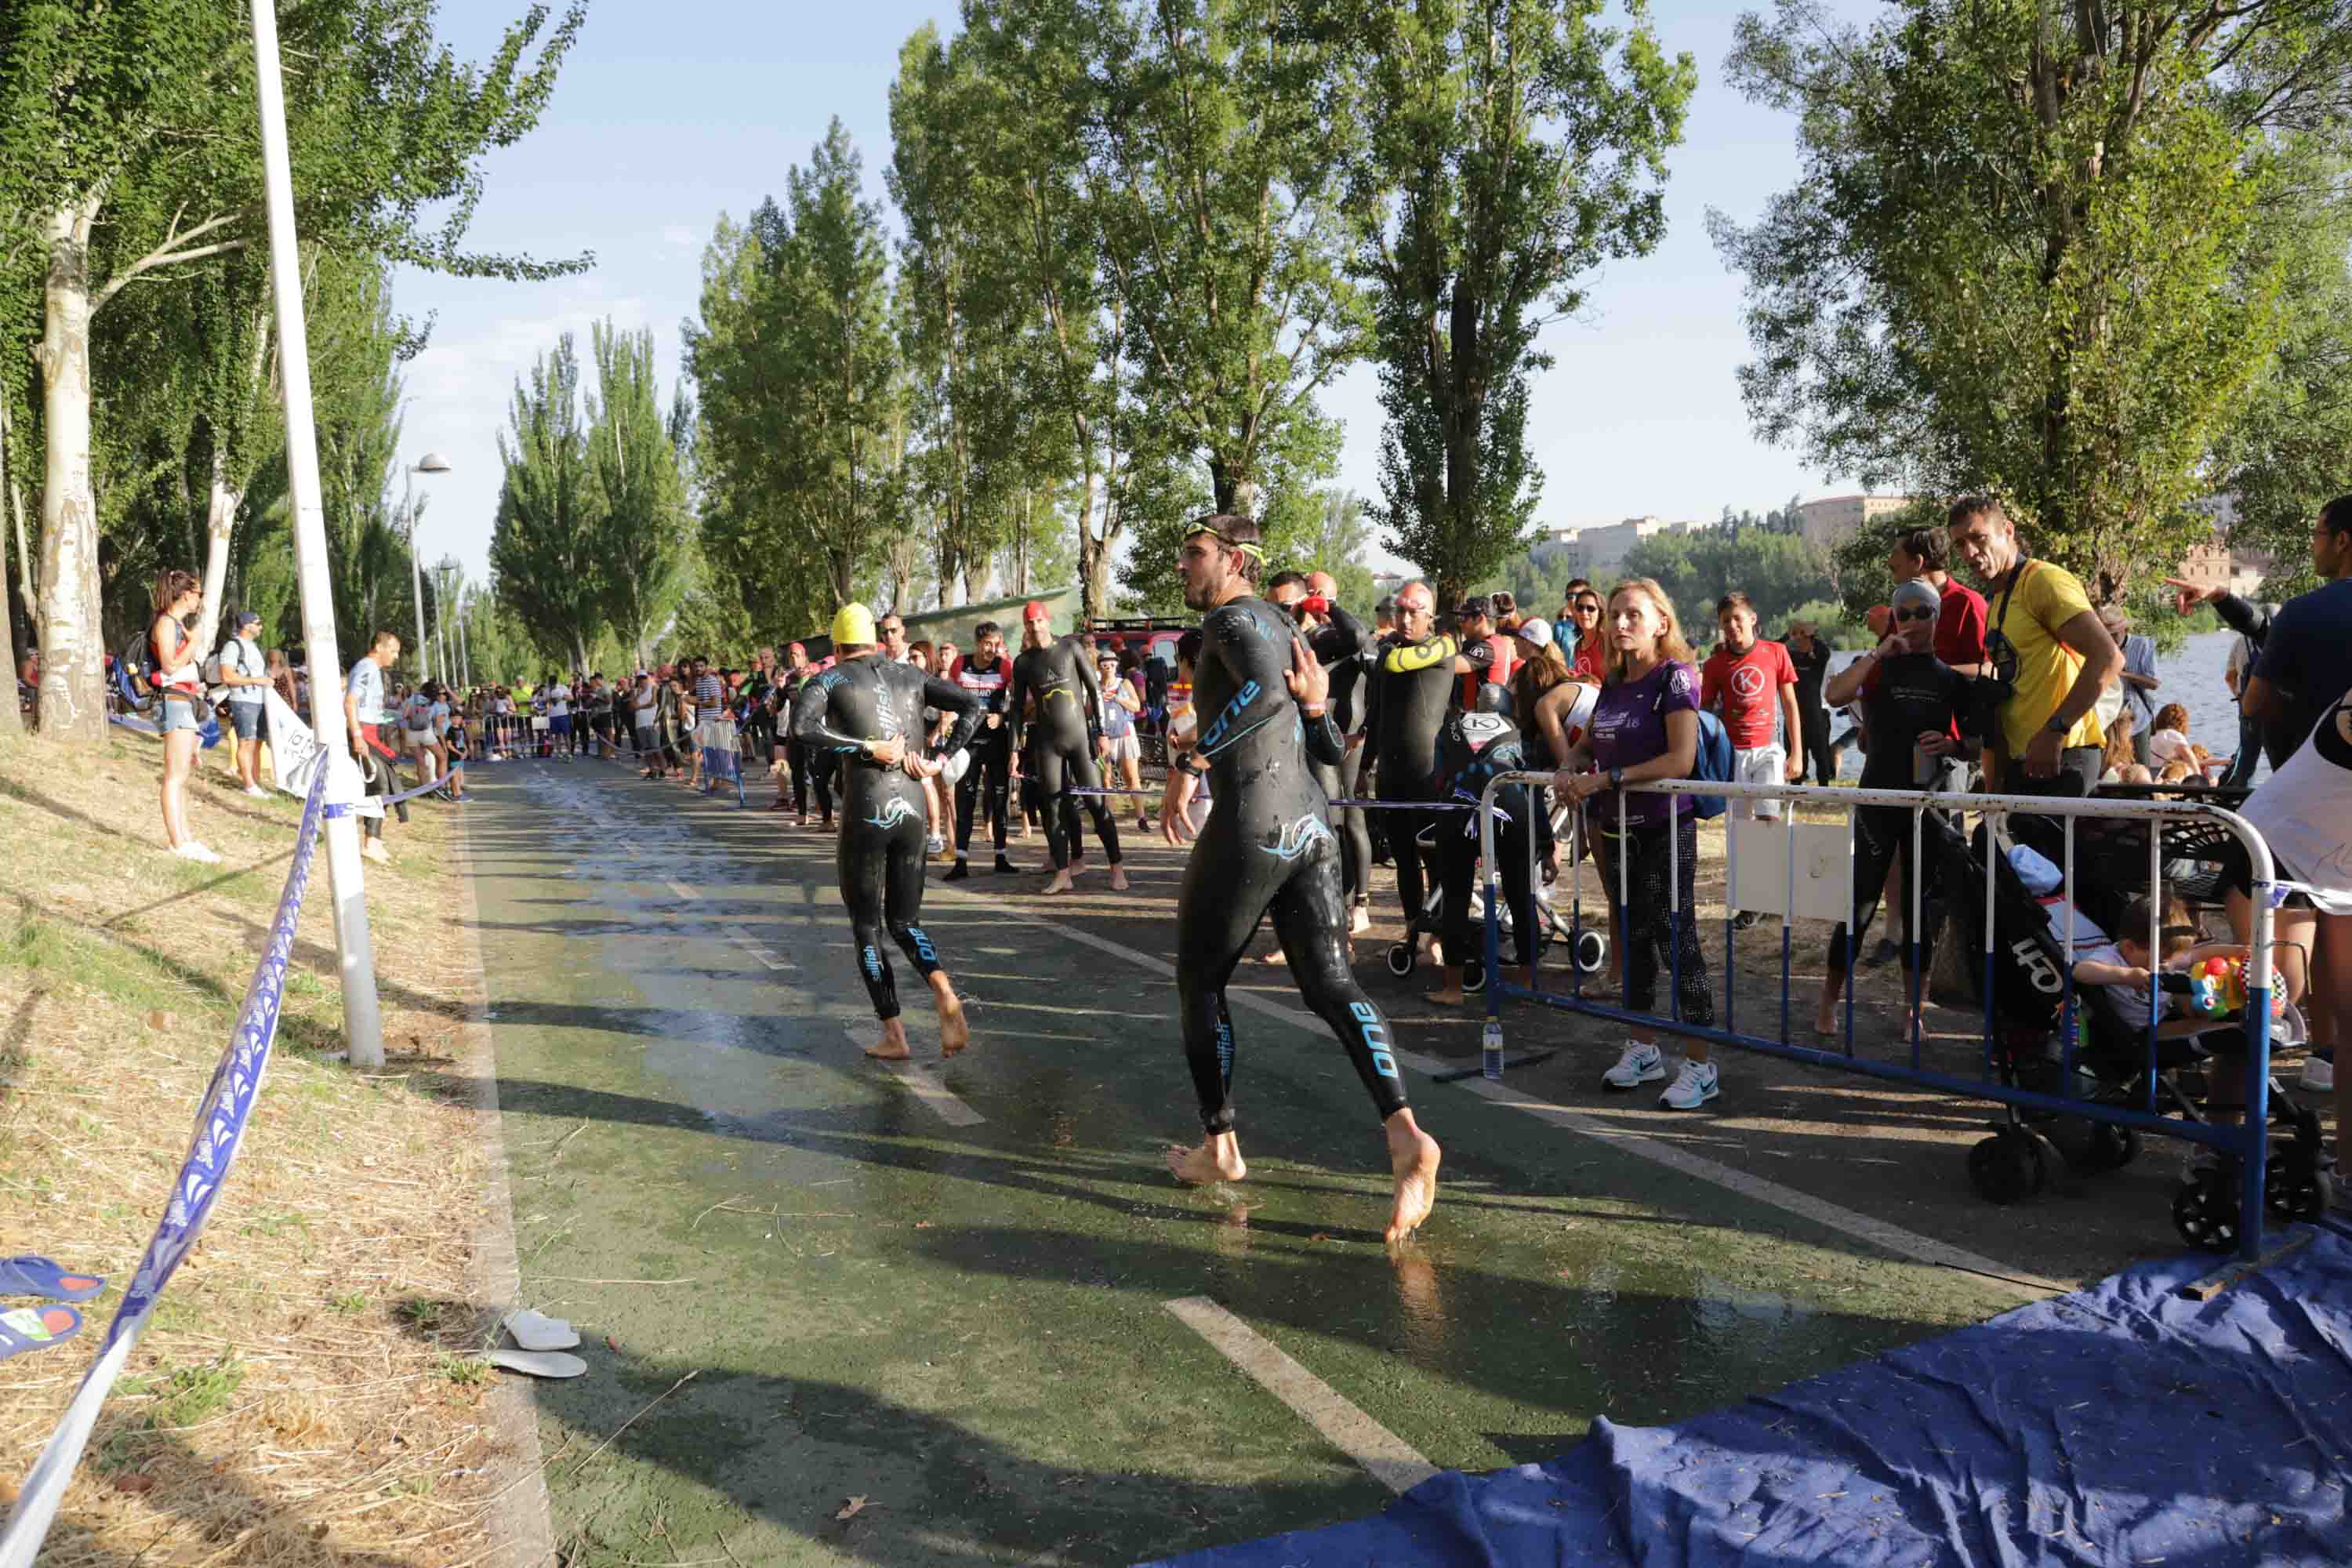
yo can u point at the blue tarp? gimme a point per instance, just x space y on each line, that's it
2124 1424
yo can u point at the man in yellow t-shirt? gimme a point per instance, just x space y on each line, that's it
2037 615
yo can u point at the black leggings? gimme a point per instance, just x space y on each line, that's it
1234 879
1882 838
1057 772
1650 934
1355 839
991 769
882 888
810 768
1457 862
1817 750
1402 823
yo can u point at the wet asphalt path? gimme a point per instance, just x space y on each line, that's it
948 1293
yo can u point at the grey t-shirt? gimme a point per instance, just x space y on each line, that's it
240 655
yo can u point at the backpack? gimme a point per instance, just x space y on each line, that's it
132 667
1713 762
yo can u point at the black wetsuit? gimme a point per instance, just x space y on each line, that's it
1266 848
1060 678
992 750
1813 719
1344 646
1471 749
883 824
1410 690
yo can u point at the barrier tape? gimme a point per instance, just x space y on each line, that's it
1339 804
220 1129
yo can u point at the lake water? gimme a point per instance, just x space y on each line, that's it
2192 675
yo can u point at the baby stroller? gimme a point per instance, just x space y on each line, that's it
1588 943
2028 976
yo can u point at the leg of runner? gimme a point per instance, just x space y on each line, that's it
1079 770
903 914
863 861
1058 837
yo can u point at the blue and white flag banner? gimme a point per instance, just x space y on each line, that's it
220 1118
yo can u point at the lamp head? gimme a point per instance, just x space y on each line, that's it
432 463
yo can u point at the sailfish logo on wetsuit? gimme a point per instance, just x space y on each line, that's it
895 810
1299 838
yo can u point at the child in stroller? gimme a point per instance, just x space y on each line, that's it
2113 1007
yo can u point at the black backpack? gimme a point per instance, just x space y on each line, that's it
132 669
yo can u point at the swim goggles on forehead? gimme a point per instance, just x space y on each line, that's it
1226 540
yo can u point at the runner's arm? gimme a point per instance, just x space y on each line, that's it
952 699
812 721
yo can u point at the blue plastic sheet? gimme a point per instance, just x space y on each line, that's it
2124 1424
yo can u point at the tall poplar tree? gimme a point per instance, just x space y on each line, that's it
544 551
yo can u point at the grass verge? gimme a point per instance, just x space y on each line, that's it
310 1389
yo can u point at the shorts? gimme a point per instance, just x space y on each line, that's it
418 740
1765 764
246 717
1126 749
559 723
179 713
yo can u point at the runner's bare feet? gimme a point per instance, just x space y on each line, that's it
892 1045
1412 1156
1218 1159
1453 996
954 1033
1060 885
1118 879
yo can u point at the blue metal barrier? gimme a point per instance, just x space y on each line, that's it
2250 1141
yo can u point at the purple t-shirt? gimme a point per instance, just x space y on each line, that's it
1629 728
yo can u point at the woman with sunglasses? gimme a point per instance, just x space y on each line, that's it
1905 691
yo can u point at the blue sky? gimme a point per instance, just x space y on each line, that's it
668 114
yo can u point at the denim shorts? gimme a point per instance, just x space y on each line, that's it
246 717
179 713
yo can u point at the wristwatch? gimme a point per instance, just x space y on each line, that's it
2059 727
1616 778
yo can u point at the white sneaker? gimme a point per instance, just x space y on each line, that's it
1693 1087
935 843
1639 1065
2318 1074
192 850
257 791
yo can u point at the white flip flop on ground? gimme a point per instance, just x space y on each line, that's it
538 1332
538 1364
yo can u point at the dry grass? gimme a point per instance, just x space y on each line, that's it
308 1390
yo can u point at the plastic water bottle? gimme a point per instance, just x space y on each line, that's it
1490 1050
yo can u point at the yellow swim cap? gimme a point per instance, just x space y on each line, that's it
853 624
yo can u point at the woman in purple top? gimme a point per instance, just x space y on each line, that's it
1646 726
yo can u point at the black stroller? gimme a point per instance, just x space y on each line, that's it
2111 1064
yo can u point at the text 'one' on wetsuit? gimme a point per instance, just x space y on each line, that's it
880 855
1266 850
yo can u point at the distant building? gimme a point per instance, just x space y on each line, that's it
1832 521
1600 553
2215 565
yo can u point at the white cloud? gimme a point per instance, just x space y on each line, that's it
679 237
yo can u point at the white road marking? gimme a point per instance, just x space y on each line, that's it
1386 1457
757 948
681 889
1879 1233
922 1082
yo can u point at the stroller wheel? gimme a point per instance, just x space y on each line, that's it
2205 1212
2294 1195
2095 1146
1591 953
1473 975
2008 1167
1400 959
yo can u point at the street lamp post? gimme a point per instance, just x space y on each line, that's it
465 653
431 463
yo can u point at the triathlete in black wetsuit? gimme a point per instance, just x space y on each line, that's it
1058 674
867 713
1267 848
1412 683
987 673
1341 645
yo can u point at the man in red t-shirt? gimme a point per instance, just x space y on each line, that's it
1752 684
1960 615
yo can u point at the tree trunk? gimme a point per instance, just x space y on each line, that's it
1094 554
12 722
73 639
220 516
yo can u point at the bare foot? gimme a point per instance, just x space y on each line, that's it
1413 1156
892 1045
1218 1159
1825 1021
1276 956
1117 880
954 1033
1060 885
1453 997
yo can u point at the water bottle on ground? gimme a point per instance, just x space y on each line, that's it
1490 1050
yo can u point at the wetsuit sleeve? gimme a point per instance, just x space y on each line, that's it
1014 691
1405 658
949 698
1372 727
2242 618
1324 743
811 714
1082 664
1355 638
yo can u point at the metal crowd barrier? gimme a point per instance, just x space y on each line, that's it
2249 1141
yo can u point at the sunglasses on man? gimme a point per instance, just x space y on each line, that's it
1915 613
